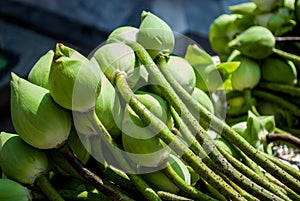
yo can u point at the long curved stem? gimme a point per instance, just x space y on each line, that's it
166 135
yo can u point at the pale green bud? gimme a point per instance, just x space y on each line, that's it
121 34
155 35
74 81
21 161
36 117
115 56
39 74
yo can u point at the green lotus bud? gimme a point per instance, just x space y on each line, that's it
236 106
224 28
13 191
247 8
151 153
21 161
266 5
108 108
256 42
182 72
247 75
36 117
74 81
279 71
203 99
115 56
155 35
39 74
121 34
281 22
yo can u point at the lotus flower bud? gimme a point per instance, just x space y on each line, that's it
115 56
151 153
121 34
266 5
225 28
247 8
155 35
74 81
36 117
13 191
272 67
39 73
21 161
182 72
247 75
200 96
256 42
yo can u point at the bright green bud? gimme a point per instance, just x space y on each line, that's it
224 28
151 153
121 34
108 108
155 35
247 75
36 117
200 96
39 73
74 81
115 56
256 42
247 8
266 5
279 71
21 161
182 72
13 191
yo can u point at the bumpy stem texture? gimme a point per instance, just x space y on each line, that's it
166 135
170 95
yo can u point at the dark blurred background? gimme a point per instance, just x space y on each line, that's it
29 28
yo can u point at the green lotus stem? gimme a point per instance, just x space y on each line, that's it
167 136
174 100
283 88
46 187
258 178
170 196
187 135
222 165
243 192
105 187
227 132
182 185
211 190
140 184
249 101
290 170
237 164
278 100
287 55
